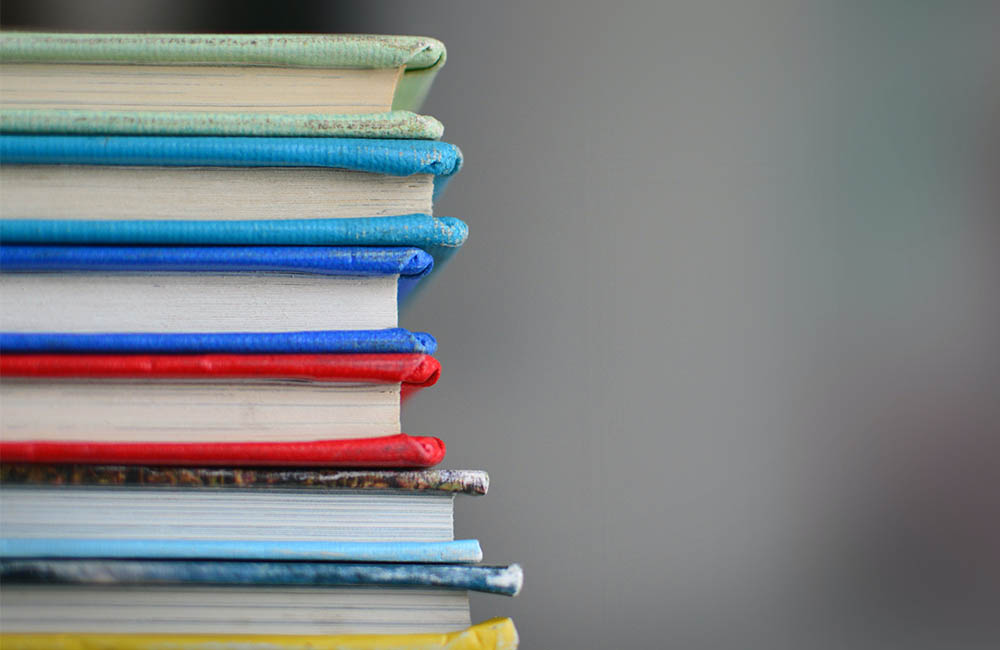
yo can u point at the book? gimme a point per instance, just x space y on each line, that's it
218 84
105 289
207 398
66 177
494 634
113 502
220 597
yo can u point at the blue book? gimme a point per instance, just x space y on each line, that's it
458 551
390 157
314 260
506 580
392 340
186 290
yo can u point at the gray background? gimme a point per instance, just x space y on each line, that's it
725 330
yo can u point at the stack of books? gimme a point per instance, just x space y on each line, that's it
204 243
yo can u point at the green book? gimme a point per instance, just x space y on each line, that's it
339 85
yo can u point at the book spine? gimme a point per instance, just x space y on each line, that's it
391 157
395 340
325 478
415 370
458 551
414 230
396 125
504 580
399 451
313 260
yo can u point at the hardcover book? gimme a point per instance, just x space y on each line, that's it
87 405
120 596
95 178
189 504
219 289
318 85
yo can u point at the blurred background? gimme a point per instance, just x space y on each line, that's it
726 332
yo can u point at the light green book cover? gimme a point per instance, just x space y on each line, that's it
417 58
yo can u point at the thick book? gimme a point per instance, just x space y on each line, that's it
109 399
494 634
105 289
175 596
139 178
191 504
319 85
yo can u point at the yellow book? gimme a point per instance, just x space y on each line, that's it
494 634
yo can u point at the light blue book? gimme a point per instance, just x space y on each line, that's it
389 157
455 552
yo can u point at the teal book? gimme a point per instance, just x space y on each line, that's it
148 603
504 580
316 85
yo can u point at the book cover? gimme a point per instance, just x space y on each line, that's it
395 125
410 264
394 340
397 451
420 58
458 551
494 634
446 481
392 157
413 371
505 580
439 236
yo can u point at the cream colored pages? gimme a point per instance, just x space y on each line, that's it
175 411
205 88
206 193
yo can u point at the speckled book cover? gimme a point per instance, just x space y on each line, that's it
450 481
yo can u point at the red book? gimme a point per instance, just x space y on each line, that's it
78 408
399 451
413 371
